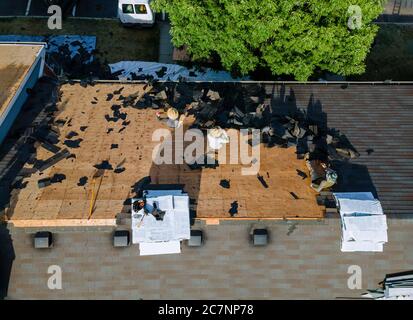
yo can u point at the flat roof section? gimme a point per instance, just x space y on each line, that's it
15 63
308 262
69 199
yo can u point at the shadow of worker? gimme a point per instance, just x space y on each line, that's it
170 168
353 177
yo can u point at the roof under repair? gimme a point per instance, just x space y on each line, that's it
107 131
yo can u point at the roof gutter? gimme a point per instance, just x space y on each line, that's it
386 82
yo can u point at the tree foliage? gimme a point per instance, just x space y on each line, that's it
291 37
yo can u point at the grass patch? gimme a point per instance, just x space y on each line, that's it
113 42
391 57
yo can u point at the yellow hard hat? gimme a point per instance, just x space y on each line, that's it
172 113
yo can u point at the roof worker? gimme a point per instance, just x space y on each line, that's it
217 137
139 205
172 119
157 213
329 181
140 208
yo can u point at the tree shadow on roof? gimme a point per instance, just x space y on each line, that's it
352 177
315 113
283 104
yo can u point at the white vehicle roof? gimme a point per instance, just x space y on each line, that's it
133 15
134 1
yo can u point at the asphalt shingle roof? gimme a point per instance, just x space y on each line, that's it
378 121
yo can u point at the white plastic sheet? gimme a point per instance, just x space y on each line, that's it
365 228
364 225
398 292
354 195
165 71
350 206
154 248
175 225
364 246
158 193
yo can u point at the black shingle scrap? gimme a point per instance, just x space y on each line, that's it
119 169
119 91
82 181
301 174
225 183
233 211
104 165
261 179
58 178
73 143
71 134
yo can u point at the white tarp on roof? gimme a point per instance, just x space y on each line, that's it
396 292
350 206
157 193
363 246
165 71
175 225
364 225
365 228
153 248
354 195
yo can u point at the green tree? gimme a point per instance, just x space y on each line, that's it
291 37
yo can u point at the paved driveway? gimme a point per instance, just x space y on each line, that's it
38 8
84 8
13 7
97 8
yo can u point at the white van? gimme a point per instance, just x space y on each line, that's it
136 12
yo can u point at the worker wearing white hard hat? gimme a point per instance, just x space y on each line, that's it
217 137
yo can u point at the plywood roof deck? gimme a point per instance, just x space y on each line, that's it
67 200
15 63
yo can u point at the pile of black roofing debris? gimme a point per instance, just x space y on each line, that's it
75 59
88 72
231 105
47 135
69 56
235 105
